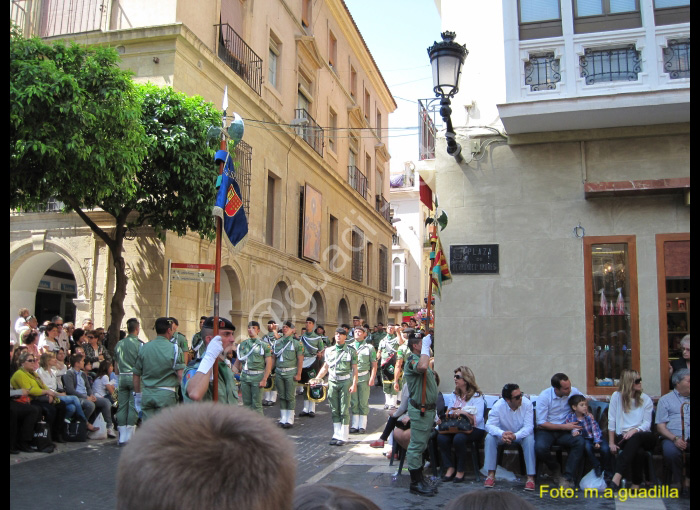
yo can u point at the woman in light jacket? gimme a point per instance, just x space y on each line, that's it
466 401
629 428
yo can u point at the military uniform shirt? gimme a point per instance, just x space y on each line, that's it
154 364
366 355
388 346
126 352
414 380
286 350
340 360
256 359
315 343
228 393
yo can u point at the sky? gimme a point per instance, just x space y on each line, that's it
398 34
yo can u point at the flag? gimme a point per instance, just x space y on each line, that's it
440 273
229 203
425 193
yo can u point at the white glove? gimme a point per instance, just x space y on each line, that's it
137 402
427 342
214 348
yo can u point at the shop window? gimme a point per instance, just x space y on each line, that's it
612 318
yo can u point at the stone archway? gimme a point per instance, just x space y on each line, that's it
231 298
317 308
380 316
280 307
343 312
364 315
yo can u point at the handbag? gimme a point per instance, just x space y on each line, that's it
455 425
42 438
76 431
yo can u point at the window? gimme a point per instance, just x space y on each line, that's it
273 62
353 82
368 171
332 128
397 281
671 12
333 244
370 256
379 125
539 18
603 15
382 268
306 14
367 103
271 211
357 254
612 318
617 64
332 51
542 72
677 59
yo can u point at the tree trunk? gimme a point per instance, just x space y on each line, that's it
117 304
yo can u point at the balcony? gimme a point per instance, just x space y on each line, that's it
383 207
427 128
59 17
309 130
357 180
234 51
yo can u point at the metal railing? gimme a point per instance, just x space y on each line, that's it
677 59
44 18
427 129
240 57
383 207
357 180
542 72
309 130
618 64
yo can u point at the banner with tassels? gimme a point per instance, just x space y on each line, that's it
229 204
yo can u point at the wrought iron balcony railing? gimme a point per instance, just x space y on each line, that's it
44 18
309 130
427 129
357 180
240 57
383 207
607 65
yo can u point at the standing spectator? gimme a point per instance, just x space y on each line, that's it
674 426
510 421
21 322
465 401
629 428
88 325
68 328
552 410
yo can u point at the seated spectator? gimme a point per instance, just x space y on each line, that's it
76 383
53 409
66 336
14 363
49 340
552 429
328 497
154 473
684 360
49 376
103 386
30 338
23 418
487 500
629 428
94 351
466 401
510 421
78 338
674 430
61 367
592 436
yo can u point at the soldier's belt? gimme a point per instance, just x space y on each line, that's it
417 405
363 373
253 372
279 369
169 388
341 378
126 373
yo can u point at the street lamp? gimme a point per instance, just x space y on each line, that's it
446 59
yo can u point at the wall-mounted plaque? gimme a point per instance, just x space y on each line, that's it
474 259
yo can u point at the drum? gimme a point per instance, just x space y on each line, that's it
270 383
388 368
316 392
309 370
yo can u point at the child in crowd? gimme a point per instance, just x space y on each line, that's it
593 438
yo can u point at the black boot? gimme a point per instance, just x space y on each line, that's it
419 485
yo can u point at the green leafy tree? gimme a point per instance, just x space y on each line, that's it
84 133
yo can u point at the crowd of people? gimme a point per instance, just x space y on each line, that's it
65 374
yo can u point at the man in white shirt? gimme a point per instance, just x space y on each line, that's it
551 411
510 421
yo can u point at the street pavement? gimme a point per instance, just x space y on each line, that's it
83 475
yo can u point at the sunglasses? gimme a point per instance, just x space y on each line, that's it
638 381
516 397
30 360
457 376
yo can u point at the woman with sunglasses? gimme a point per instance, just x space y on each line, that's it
466 401
629 428
40 395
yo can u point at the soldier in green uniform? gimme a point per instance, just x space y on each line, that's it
270 396
158 371
314 346
125 354
375 339
289 355
197 381
366 372
198 345
341 367
387 349
254 362
421 410
179 339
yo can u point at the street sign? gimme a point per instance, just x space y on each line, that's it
202 273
